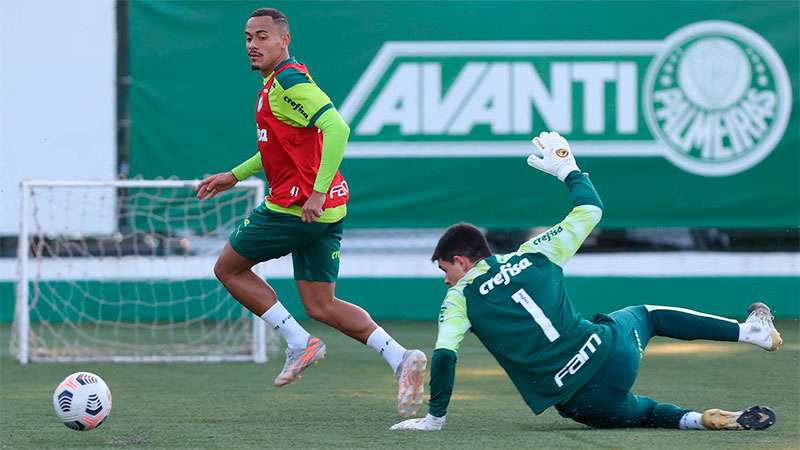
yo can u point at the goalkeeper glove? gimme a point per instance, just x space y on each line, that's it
556 156
427 423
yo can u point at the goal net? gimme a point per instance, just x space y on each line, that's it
123 271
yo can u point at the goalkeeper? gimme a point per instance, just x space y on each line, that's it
517 305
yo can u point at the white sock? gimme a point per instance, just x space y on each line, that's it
280 319
744 332
691 421
754 334
387 347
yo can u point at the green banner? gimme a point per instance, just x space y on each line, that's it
687 120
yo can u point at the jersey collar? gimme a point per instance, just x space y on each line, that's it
289 60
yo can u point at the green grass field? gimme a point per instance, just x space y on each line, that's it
347 401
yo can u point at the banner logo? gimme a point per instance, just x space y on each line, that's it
713 98
718 96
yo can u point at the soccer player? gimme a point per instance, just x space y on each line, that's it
517 305
301 142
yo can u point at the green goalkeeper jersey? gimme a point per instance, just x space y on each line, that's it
517 306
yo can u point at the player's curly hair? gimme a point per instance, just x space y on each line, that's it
277 16
462 239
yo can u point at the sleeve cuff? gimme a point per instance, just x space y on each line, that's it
582 190
248 168
573 175
314 118
240 173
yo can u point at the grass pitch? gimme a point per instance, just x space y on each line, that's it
348 401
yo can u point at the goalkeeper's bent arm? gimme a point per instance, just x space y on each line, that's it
560 242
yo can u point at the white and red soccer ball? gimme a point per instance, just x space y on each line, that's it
82 401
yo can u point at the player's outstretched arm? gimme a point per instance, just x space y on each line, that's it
560 242
214 184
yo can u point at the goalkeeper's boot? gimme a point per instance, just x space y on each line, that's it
762 330
410 378
297 360
755 418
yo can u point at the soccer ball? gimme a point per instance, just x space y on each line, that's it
82 401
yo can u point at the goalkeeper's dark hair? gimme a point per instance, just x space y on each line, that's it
462 239
277 16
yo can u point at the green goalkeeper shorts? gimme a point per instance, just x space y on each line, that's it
606 400
266 235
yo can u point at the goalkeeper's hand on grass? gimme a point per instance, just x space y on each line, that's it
427 423
552 155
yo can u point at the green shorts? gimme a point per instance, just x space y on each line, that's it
314 246
606 400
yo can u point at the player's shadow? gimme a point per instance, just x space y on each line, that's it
534 426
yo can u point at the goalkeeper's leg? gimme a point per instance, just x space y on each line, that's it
606 401
681 323
606 407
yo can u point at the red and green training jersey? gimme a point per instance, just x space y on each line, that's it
291 155
301 140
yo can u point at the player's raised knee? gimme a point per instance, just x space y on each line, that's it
224 272
219 271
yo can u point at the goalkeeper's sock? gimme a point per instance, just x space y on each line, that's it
387 347
691 421
759 328
280 319
767 338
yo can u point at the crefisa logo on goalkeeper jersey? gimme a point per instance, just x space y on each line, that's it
713 98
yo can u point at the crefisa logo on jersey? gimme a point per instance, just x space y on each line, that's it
718 96
504 274
713 98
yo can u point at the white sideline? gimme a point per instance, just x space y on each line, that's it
418 265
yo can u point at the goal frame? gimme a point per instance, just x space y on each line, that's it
258 351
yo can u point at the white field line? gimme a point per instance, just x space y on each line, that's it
417 265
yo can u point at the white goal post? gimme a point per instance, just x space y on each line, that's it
122 271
